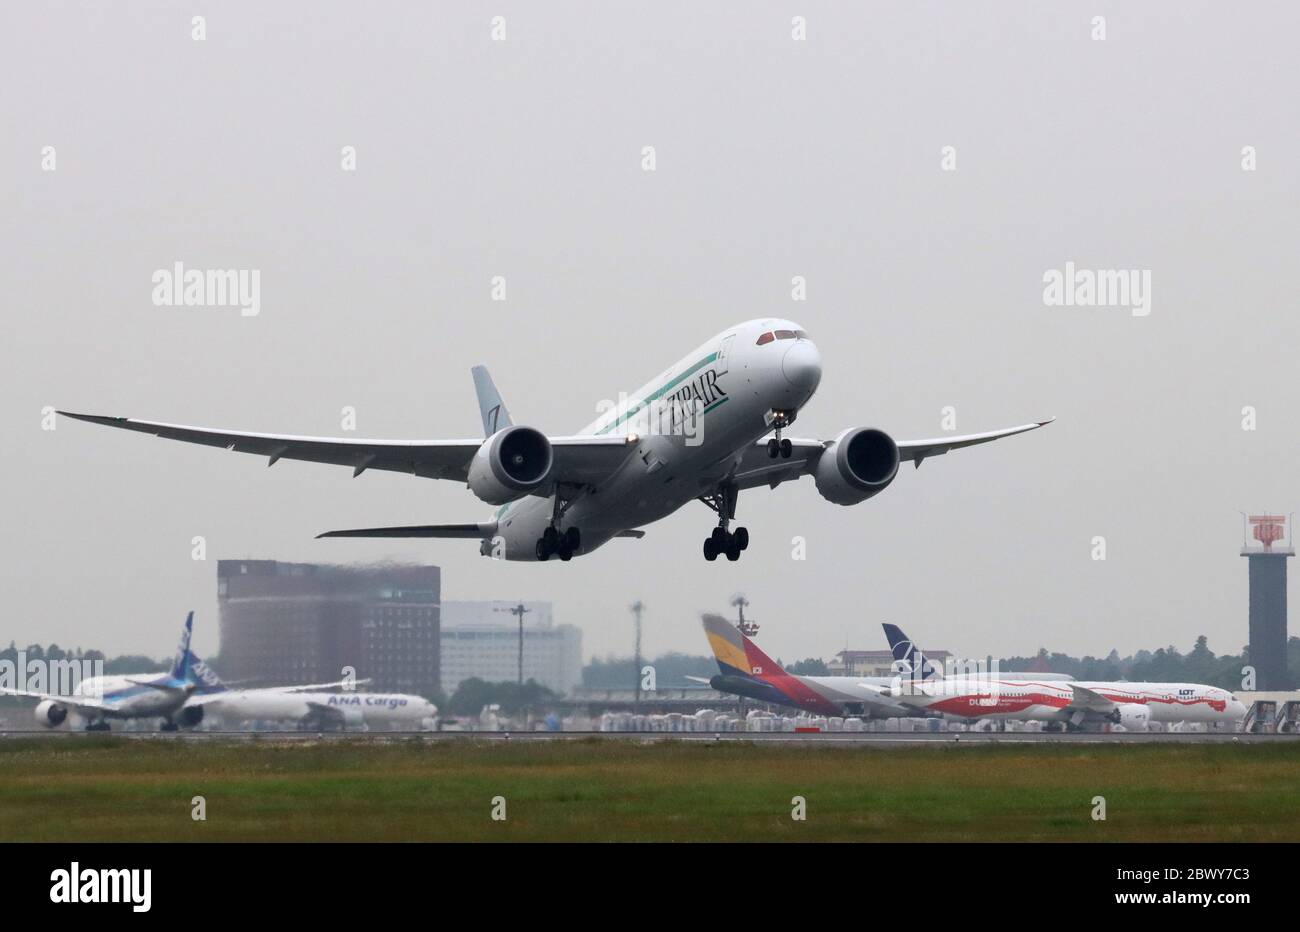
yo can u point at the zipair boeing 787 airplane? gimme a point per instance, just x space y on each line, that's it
705 429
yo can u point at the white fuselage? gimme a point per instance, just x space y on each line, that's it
733 383
1032 700
123 698
373 710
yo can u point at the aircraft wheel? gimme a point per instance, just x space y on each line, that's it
169 726
565 553
551 538
719 538
710 549
773 449
786 448
572 540
733 553
741 538
543 552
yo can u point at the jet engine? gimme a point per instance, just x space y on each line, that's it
856 465
511 463
1133 716
190 716
50 714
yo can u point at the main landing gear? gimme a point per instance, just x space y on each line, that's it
777 446
723 539
555 542
100 725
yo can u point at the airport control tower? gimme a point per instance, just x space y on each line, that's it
1266 559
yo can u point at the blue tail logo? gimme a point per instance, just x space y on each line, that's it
909 662
189 668
183 649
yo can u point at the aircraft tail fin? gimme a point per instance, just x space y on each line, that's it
190 669
203 677
183 649
490 406
736 654
908 659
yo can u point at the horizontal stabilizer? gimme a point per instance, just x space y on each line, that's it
472 531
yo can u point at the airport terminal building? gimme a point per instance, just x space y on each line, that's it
292 623
481 639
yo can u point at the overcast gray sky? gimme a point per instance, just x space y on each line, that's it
775 158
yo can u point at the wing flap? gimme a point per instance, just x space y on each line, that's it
756 467
581 460
480 530
917 450
80 702
1088 700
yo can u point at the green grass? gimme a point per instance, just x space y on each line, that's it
111 789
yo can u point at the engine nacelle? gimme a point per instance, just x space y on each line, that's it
50 714
856 465
511 463
1134 716
190 716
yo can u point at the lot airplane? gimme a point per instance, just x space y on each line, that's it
744 670
694 432
1076 704
305 706
98 699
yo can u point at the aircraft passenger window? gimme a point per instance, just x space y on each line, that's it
785 334
765 338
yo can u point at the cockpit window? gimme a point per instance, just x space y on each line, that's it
801 334
765 338
785 334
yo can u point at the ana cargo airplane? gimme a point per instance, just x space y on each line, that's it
98 699
694 432
922 686
744 670
305 706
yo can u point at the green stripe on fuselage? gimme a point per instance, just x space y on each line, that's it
659 393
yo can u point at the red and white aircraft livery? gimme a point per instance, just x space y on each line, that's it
1076 704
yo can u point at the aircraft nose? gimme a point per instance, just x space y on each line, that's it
802 366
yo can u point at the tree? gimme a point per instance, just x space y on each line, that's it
473 694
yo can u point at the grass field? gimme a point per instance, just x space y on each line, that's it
110 789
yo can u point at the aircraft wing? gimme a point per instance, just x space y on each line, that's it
581 460
756 467
1087 700
311 687
162 686
79 703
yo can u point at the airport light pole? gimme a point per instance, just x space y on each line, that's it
747 628
637 608
520 611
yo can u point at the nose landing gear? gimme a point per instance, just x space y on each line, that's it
778 446
723 540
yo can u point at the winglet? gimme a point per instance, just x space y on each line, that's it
490 406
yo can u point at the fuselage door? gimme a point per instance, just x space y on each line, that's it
724 354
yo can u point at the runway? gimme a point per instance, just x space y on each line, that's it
823 739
